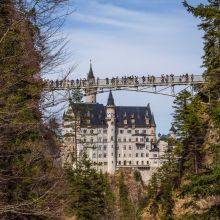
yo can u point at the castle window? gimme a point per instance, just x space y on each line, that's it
147 139
84 131
91 131
147 155
155 155
136 131
125 162
105 140
105 163
124 147
130 162
91 140
119 162
121 131
124 155
129 131
142 139
104 148
119 155
104 155
137 162
129 155
136 139
129 147
147 162
142 162
136 154
100 155
119 139
94 155
144 131
112 138
124 139
100 147
105 131
142 154
129 139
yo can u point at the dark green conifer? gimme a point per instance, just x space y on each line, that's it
90 194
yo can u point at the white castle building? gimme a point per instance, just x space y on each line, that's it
112 136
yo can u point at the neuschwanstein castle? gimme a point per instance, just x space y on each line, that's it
112 136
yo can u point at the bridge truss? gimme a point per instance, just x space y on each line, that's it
164 85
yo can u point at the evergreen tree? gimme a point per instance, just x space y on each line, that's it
209 14
90 194
207 183
127 210
29 180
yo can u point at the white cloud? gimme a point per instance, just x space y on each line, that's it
122 42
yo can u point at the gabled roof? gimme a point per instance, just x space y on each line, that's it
95 115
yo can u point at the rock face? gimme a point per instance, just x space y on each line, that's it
136 191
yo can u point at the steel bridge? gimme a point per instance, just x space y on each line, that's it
149 84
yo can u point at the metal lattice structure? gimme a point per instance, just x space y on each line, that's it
148 84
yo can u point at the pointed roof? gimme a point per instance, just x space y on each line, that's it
151 116
110 99
90 74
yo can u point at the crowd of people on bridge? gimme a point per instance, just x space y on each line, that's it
130 80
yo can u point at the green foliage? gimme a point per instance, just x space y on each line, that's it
209 14
192 121
215 113
137 176
127 210
159 198
28 176
90 194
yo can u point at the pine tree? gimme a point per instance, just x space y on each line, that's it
29 180
207 183
127 209
209 14
90 194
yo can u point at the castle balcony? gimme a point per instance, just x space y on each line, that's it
140 167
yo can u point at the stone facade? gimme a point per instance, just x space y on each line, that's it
112 136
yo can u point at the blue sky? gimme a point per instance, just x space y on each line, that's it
135 37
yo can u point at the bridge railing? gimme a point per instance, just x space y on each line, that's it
131 81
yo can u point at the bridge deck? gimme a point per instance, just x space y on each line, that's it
125 82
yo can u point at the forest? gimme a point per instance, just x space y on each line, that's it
34 185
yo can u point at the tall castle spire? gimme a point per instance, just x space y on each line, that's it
90 74
91 92
110 99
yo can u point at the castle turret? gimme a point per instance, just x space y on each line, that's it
111 122
91 92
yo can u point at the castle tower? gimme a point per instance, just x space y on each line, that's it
68 148
91 92
111 122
